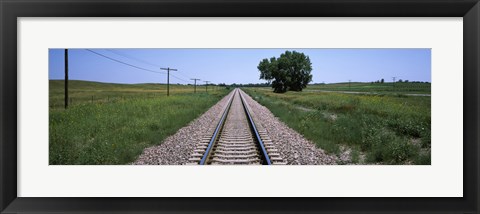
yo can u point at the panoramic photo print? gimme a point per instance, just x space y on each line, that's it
239 106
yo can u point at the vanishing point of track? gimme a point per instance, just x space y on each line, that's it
236 138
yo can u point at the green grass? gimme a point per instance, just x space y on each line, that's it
400 88
388 129
81 92
116 132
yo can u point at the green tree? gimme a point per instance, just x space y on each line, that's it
381 81
290 71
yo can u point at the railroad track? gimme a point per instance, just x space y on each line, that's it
236 139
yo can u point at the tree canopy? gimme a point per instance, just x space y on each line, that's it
290 71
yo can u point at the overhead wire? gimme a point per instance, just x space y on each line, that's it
188 77
134 66
179 78
146 62
132 58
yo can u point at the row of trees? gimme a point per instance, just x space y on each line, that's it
379 81
399 81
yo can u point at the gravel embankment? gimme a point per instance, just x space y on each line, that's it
293 147
175 149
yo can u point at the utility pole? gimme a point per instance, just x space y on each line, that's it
66 78
206 85
195 85
168 78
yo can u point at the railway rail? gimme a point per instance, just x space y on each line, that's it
236 139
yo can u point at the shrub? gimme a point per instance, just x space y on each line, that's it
411 127
426 139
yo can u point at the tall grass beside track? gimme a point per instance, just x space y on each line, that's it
117 132
386 129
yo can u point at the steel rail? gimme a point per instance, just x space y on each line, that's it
251 123
217 131
257 135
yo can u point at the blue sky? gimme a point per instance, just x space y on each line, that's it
237 65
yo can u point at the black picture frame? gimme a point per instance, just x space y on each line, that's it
10 10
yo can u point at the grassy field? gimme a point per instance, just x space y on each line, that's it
81 92
385 129
120 122
400 88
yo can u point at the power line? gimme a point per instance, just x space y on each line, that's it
132 58
137 67
188 77
145 62
179 78
116 60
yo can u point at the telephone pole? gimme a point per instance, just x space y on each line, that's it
206 85
195 85
66 78
168 78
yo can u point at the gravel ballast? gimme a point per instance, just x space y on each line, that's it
293 147
176 149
